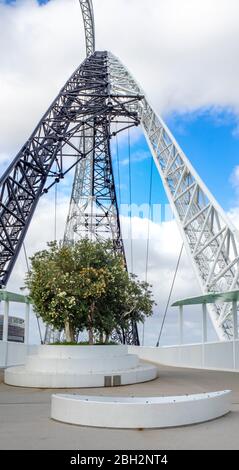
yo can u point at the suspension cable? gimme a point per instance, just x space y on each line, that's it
26 257
28 270
170 294
130 202
148 231
55 213
118 165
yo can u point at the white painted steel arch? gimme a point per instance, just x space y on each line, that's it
210 239
88 18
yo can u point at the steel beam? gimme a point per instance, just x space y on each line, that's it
210 239
89 25
84 105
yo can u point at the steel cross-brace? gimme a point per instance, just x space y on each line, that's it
94 210
88 18
102 90
85 104
209 237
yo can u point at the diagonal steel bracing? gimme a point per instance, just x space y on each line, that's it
210 238
89 25
78 126
93 209
76 130
84 106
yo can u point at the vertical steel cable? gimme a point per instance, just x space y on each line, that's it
170 294
55 213
148 232
28 270
130 203
26 257
118 166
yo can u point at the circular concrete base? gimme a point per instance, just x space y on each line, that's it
80 366
20 376
139 412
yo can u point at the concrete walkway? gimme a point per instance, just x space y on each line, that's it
25 422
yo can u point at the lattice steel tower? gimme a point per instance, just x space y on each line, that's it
80 122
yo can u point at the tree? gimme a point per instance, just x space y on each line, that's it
86 286
127 299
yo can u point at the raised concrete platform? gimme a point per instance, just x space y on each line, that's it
140 412
25 412
80 366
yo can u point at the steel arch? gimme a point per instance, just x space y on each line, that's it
89 25
210 239
83 104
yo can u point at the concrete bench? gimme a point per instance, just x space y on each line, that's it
139 412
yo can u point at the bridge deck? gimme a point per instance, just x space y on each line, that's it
25 423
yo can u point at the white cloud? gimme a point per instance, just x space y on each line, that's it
41 231
182 52
234 211
233 214
234 179
164 247
136 157
184 55
40 47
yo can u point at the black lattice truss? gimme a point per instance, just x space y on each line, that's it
94 211
85 104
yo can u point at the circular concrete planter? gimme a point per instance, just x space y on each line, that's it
78 351
80 366
139 412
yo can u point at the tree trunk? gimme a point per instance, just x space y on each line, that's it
69 332
90 324
91 335
101 338
107 338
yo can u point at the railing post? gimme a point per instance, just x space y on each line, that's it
235 320
5 328
27 316
181 324
204 331
5 320
204 323
235 330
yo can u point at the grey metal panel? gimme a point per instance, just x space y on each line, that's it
108 381
116 380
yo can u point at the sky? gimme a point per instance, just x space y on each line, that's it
184 55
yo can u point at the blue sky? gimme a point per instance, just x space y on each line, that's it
14 1
211 143
208 138
198 100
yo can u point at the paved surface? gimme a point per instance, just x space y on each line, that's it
25 422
